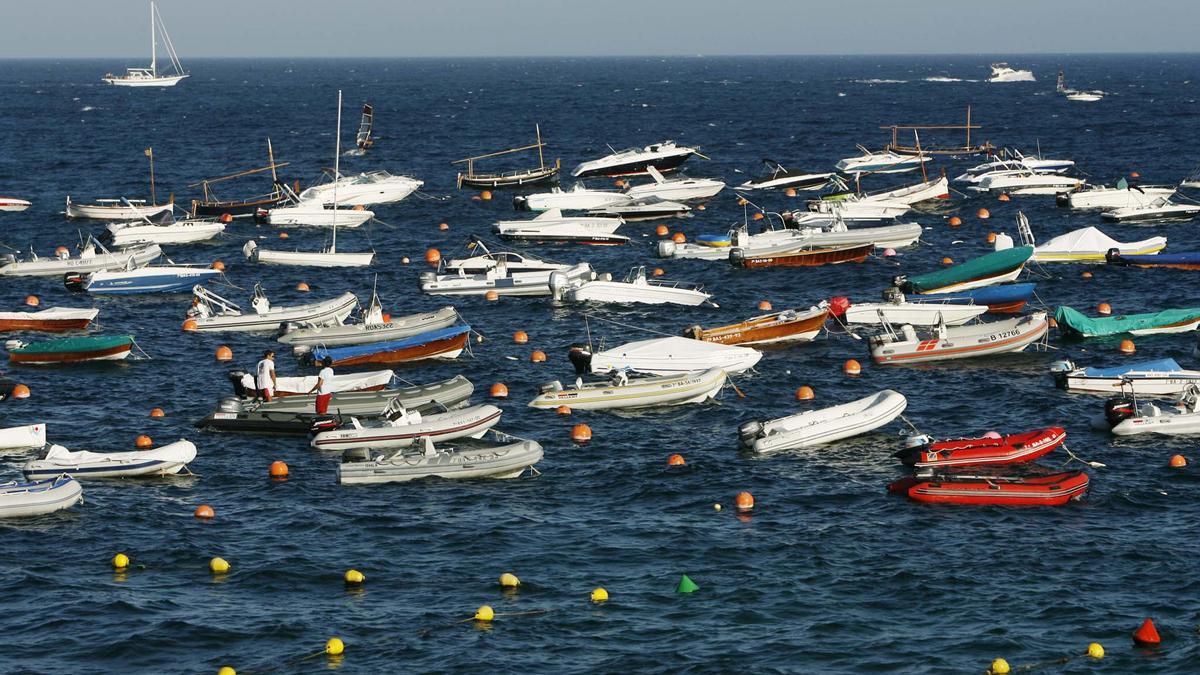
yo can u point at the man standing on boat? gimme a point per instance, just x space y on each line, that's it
324 387
265 375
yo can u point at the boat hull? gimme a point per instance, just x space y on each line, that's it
961 342
18 500
73 350
776 328
1052 490
806 258
464 423
637 393
818 427
503 461
166 460
1010 449
440 344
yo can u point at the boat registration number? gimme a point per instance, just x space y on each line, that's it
1006 334
224 416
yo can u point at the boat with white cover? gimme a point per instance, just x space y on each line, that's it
400 428
504 457
135 233
117 209
1119 196
623 392
1159 377
944 343
22 438
578 198
1086 244
678 189
895 309
1027 183
36 498
49 320
56 460
151 76
1160 210
1128 417
884 161
1002 72
364 189
817 427
504 281
636 288
93 257
485 259
211 312
552 226
372 328
674 355
664 156
773 241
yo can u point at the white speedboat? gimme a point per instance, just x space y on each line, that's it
937 188
678 189
884 161
36 498
1122 195
1027 183
957 342
1160 377
553 227
134 233
25 437
622 392
817 427
117 209
484 260
1002 72
1086 96
211 312
315 214
504 281
828 233
777 177
365 189
92 257
823 212
650 208
152 76
674 355
401 428
665 156
1159 210
895 309
1128 417
578 198
1014 160
508 457
56 460
636 288
13 205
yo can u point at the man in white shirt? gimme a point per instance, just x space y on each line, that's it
324 388
264 375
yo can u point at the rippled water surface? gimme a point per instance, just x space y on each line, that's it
829 573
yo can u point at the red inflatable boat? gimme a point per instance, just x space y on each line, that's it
1053 489
1009 449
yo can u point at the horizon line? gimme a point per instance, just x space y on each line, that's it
617 56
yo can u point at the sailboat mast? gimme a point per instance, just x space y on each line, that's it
337 155
538 129
153 44
968 127
150 154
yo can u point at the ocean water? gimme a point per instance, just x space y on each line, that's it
828 574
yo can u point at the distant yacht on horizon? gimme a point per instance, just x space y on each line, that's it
1002 72
150 77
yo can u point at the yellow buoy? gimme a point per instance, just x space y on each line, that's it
120 561
218 566
1095 650
716 507
999 667
335 646
226 670
484 613
509 580
599 595
353 577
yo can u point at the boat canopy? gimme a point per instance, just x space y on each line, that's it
1156 366
1071 320
990 264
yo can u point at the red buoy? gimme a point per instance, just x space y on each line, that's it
1146 634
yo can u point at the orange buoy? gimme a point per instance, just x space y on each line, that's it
387 318
581 433
679 238
1134 174
433 256
563 410
21 391
190 325
758 216
302 287
205 511
658 271
991 238
955 221
283 235
359 207
499 390
62 251
143 441
33 300
675 460
538 356
1104 309
491 296
1052 322
405 260
278 469
520 337
218 266
701 207
1003 197
1146 634
224 353
983 214
1127 347
226 218
889 252
662 230
1178 461
157 412
744 501
443 226
742 201
486 195
805 393
790 192
1086 275
619 183
765 306
947 260
852 367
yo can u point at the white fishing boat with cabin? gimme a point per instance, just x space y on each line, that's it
364 189
578 198
1002 72
1120 196
504 281
665 156
485 259
552 227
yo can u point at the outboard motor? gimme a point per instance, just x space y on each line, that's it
1119 409
737 257
239 387
899 281
893 294
1059 369
1062 199
558 284
323 424
748 432
1112 256
8 258
580 357
913 446
230 404
74 281
666 248
550 387
520 203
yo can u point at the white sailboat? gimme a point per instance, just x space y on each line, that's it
151 77
329 257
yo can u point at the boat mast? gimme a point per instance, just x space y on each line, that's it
271 161
337 154
538 130
150 154
968 125
153 46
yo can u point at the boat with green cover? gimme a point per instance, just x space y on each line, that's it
993 268
1074 323
71 350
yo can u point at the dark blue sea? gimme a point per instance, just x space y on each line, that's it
829 574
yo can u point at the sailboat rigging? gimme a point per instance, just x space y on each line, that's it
152 76
363 140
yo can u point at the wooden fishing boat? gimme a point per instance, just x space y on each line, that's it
211 206
805 257
444 343
1011 449
49 320
543 173
122 208
987 270
967 148
71 350
789 325
1075 324
1054 489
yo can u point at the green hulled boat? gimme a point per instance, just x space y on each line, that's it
993 268
1074 323
73 350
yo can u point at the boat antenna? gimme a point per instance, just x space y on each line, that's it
337 155
588 326
149 152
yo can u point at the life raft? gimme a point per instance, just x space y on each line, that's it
1054 489
1010 449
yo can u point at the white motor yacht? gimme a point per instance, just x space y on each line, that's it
679 189
552 227
578 198
665 156
1002 72
365 189
884 161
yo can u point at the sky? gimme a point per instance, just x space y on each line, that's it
450 28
